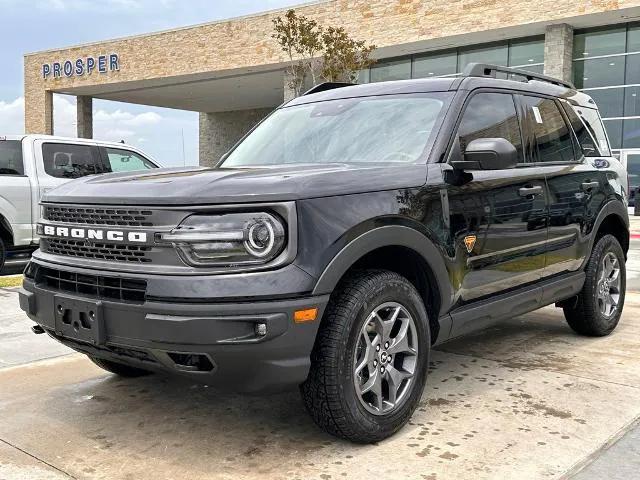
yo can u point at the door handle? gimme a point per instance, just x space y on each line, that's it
588 186
530 191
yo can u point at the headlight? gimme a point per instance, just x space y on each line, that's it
229 239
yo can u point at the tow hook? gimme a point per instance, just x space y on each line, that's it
37 329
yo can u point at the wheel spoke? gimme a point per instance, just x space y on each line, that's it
395 379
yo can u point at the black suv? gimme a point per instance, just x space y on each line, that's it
340 240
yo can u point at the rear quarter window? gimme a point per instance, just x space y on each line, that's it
11 157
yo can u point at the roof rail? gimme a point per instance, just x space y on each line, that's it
487 70
323 87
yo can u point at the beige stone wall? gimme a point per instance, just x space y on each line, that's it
246 42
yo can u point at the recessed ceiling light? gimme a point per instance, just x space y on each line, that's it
612 63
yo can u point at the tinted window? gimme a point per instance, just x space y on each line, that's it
585 138
387 70
11 157
491 115
593 123
552 136
63 160
125 161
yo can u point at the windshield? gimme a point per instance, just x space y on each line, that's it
383 129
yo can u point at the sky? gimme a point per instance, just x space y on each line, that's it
170 136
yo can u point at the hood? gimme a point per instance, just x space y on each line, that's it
197 186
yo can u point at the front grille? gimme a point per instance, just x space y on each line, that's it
123 217
122 289
97 251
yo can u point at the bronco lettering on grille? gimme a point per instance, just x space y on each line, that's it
95 234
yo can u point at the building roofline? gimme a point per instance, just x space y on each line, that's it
178 29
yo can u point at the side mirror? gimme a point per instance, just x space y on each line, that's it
488 154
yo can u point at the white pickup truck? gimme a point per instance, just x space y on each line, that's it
32 164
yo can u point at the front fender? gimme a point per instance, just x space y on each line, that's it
386 236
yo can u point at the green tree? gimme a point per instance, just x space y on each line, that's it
344 57
301 39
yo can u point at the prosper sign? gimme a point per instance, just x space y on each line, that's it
81 66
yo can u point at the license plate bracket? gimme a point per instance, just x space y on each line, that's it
79 320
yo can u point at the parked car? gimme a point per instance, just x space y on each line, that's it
348 233
631 160
31 165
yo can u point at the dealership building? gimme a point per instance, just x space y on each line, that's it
233 73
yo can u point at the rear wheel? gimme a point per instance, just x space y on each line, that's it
119 368
598 307
369 363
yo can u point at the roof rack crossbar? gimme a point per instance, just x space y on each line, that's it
323 87
488 70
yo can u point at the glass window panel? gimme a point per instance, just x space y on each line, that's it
633 169
126 161
391 70
552 135
532 68
435 64
633 39
496 54
71 161
11 157
609 101
631 101
600 72
364 76
490 115
614 132
586 138
633 69
631 133
602 42
523 52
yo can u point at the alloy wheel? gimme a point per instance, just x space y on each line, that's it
609 285
385 358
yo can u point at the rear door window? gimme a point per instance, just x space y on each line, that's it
62 160
11 157
120 160
551 134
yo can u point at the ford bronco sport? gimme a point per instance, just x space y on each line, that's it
351 231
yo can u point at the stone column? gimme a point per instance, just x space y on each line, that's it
85 116
219 131
38 111
558 51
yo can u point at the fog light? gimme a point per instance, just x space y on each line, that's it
261 329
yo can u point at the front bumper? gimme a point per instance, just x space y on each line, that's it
217 343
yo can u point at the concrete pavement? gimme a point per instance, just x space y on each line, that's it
525 399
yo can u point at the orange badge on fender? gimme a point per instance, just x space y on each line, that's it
470 241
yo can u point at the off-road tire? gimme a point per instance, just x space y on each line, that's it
119 368
329 393
583 314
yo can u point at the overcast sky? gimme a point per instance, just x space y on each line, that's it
29 26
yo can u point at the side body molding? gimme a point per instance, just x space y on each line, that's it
386 236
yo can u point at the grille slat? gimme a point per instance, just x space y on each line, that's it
97 251
121 289
98 216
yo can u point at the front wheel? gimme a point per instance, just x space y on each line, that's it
597 309
369 363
